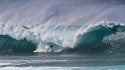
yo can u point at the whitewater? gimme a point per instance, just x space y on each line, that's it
99 37
85 34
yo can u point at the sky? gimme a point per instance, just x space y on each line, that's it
61 12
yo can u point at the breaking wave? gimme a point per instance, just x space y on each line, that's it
33 26
98 38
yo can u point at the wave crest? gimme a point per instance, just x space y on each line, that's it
97 38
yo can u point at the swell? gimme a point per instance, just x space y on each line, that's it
10 45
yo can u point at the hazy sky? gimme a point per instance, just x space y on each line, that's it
61 11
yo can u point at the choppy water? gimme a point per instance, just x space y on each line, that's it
57 61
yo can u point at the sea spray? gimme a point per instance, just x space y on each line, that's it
91 39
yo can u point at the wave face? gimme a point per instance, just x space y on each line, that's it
76 25
101 38
10 45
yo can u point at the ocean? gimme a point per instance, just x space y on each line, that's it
62 35
55 61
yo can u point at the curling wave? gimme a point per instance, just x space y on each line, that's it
97 38
100 38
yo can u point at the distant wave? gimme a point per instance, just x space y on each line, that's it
97 38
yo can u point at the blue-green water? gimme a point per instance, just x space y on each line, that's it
98 47
84 34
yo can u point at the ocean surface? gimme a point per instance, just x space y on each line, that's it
62 34
55 61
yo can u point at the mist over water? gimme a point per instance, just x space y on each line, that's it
62 23
84 34
60 12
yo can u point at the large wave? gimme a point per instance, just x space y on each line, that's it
98 38
63 24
